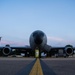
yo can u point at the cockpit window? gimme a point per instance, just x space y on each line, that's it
38 33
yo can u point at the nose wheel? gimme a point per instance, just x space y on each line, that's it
37 53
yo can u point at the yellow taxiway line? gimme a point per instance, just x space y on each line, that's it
36 69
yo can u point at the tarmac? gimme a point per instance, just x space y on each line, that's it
58 66
15 66
49 66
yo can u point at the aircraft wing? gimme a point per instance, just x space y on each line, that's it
7 50
68 50
26 47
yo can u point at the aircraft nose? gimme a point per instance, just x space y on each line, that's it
38 40
38 37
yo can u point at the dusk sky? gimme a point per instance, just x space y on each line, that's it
19 18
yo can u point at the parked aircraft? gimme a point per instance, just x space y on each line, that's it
38 39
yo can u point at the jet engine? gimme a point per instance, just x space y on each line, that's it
69 50
6 50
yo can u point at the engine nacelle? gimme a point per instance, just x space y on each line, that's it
6 50
69 50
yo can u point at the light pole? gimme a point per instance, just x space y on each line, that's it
0 40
